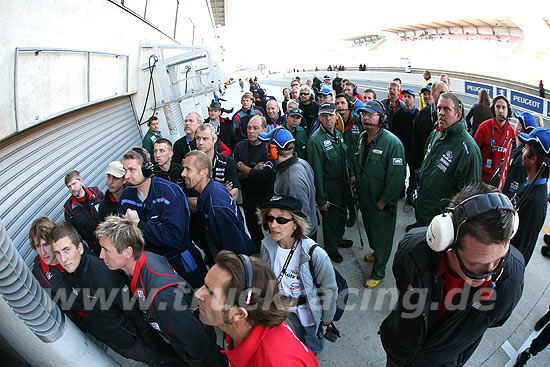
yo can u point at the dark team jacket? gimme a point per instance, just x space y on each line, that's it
173 174
181 147
223 220
386 102
259 184
415 336
226 132
424 123
165 300
402 126
108 206
240 121
84 217
279 121
93 284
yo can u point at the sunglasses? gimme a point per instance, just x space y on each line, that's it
280 220
472 275
304 94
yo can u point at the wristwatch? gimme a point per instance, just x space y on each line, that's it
239 165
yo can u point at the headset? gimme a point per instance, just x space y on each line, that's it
272 150
355 92
146 166
443 230
248 276
351 105
382 119
500 96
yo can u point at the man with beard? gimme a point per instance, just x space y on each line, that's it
392 103
184 145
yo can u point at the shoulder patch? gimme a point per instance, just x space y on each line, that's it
398 161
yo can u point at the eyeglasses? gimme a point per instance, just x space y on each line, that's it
280 220
304 94
477 276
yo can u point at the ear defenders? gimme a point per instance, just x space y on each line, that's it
382 121
248 276
146 166
272 150
355 92
507 104
443 230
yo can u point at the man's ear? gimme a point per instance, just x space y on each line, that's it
239 314
80 248
129 252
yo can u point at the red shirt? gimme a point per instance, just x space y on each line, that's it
492 140
275 346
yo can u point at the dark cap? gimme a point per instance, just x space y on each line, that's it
285 202
295 111
372 107
326 77
327 108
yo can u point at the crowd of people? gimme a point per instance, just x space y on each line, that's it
169 229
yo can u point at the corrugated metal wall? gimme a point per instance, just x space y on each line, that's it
33 164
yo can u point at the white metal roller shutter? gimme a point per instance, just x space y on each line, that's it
33 163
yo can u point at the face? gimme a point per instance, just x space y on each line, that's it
246 103
426 76
212 298
501 110
445 79
368 96
341 104
133 175
272 109
110 256
214 114
437 90
294 83
370 121
190 124
293 120
253 129
393 92
286 93
115 184
427 95
204 140
154 126
309 82
328 120
67 254
324 98
190 174
162 153
477 257
348 89
281 232
304 96
528 163
446 114
295 93
409 100
45 251
291 105
75 187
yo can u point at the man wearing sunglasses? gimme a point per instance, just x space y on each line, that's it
456 286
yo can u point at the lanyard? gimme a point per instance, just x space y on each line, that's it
493 138
287 261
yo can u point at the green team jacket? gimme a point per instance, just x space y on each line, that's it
327 156
300 135
380 168
451 160
149 141
352 131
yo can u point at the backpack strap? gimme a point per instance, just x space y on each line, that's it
311 270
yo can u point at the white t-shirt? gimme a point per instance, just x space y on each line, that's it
291 284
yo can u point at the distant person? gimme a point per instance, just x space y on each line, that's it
295 93
317 81
310 109
494 135
274 118
392 103
241 297
350 90
398 80
293 121
539 343
224 127
81 208
241 84
152 135
445 79
369 95
115 183
242 116
480 111
541 90
187 143
309 83
286 97
337 84
427 81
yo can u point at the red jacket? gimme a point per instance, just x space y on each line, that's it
270 347
492 141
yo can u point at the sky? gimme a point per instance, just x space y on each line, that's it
273 32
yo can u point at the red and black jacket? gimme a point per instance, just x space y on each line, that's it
84 217
165 299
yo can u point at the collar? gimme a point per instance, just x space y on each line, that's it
453 130
325 131
496 126
243 354
540 181
376 137
411 112
88 194
201 201
137 271
83 263
289 162
45 267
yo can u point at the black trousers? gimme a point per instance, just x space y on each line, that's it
250 206
540 342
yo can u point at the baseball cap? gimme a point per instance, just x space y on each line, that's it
115 169
539 137
427 87
282 137
285 202
326 91
527 120
372 107
327 108
326 77
408 90
295 111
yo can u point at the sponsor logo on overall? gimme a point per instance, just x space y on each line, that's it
328 145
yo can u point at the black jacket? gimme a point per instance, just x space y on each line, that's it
165 300
310 113
108 206
83 216
414 335
479 113
424 124
173 174
402 126
226 133
258 186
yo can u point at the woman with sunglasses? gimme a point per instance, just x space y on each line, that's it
287 253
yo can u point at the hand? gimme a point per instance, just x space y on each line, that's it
260 165
352 181
325 207
381 205
229 185
132 215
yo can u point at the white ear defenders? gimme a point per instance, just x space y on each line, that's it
443 229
